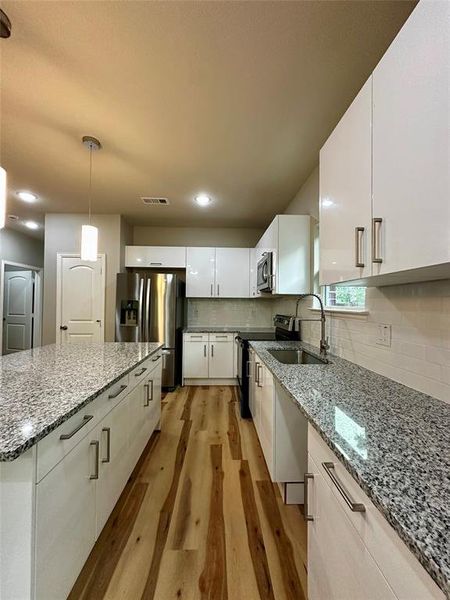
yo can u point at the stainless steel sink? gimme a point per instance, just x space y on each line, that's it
297 357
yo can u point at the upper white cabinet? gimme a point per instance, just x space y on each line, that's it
218 273
155 256
384 171
345 194
200 272
411 160
289 238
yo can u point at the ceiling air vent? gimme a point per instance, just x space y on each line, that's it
156 201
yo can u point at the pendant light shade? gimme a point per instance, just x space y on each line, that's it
89 233
2 197
89 243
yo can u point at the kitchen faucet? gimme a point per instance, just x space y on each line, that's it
324 346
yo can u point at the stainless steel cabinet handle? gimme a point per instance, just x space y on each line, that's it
248 368
196 337
212 349
359 232
306 514
157 358
141 372
256 371
376 229
85 421
146 388
96 444
212 290
119 391
156 263
218 289
259 380
204 350
353 506
150 399
107 430
221 337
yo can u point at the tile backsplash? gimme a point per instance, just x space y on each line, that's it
230 312
419 351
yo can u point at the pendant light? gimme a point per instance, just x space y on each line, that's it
2 197
89 233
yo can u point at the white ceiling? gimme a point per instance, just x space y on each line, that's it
229 98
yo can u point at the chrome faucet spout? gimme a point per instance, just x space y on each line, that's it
324 346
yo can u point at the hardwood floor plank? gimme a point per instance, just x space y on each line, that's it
213 580
186 414
234 437
291 580
178 579
166 515
255 536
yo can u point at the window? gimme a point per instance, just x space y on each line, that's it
345 296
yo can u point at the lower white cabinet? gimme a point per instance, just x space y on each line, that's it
209 356
354 555
75 498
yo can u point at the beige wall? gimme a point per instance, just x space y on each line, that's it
196 236
20 248
306 201
62 234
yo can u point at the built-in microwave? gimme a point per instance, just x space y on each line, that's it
265 274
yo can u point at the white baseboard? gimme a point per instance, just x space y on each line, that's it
195 381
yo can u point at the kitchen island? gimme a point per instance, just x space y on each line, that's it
74 420
393 441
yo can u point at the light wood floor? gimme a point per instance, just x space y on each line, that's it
199 518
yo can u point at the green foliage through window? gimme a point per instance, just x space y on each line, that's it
345 296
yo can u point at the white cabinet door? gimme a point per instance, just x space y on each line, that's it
200 272
155 256
195 359
221 359
411 172
254 257
251 383
153 408
267 418
65 521
257 396
114 461
136 440
232 273
345 194
339 565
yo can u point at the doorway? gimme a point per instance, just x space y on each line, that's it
20 306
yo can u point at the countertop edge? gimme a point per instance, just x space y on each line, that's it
427 562
12 455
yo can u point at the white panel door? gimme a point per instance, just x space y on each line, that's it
221 359
81 298
200 272
65 521
411 143
232 273
195 359
17 311
345 194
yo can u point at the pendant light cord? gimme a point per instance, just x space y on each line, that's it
90 182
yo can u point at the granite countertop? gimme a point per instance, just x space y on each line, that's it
43 387
227 329
393 440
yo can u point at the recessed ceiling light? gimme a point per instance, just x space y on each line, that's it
31 225
203 200
27 196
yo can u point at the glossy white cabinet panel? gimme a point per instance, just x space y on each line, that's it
221 358
411 189
200 272
195 359
345 194
155 256
232 273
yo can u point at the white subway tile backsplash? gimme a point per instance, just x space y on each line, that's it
419 355
229 312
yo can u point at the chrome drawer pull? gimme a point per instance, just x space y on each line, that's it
353 506
97 457
248 368
359 232
119 391
259 382
157 358
107 430
307 516
376 227
85 421
141 372
256 371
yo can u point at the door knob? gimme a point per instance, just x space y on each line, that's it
63 327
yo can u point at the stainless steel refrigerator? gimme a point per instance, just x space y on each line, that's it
150 308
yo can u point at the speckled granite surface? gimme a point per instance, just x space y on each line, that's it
43 387
394 441
228 329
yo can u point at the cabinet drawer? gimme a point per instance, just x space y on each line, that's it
52 449
222 337
403 571
139 373
196 337
112 396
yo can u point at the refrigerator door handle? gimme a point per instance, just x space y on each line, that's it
141 311
147 311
